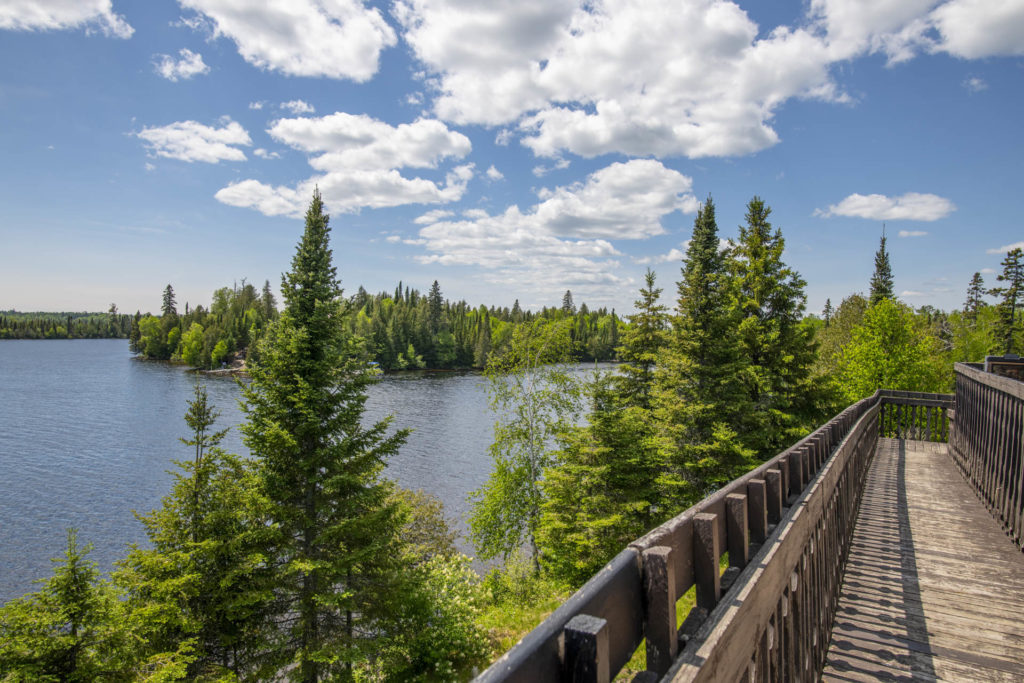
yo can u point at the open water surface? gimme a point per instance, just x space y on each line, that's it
88 434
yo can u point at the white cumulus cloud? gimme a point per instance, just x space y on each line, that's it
192 141
565 239
58 15
298 107
187 65
331 38
1005 248
912 206
494 174
359 160
664 77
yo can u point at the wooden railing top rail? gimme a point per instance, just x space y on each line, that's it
614 601
1005 384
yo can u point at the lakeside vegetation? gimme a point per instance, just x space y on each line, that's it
305 562
109 325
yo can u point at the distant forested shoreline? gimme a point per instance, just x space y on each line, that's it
65 325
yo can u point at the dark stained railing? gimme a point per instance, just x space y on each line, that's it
986 443
786 527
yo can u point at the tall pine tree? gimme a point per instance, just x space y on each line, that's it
320 469
642 344
700 396
975 292
778 348
881 280
1007 327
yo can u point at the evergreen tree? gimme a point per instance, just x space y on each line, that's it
779 350
268 302
642 344
828 312
881 280
700 395
335 522
1007 326
975 292
70 630
568 307
169 305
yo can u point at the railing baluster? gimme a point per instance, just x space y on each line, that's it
586 650
705 560
660 593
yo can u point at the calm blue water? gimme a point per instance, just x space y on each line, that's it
88 434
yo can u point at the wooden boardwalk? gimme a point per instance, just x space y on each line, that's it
934 590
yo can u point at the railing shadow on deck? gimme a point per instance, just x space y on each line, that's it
787 527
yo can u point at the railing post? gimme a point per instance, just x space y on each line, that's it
705 560
757 509
660 593
737 531
586 650
775 495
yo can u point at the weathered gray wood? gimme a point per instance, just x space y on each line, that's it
774 480
933 588
660 621
705 560
757 509
586 650
737 530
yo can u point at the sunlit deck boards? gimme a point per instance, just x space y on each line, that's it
933 589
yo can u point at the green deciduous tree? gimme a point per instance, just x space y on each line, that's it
890 350
536 400
335 522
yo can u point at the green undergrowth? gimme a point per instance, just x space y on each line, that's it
517 600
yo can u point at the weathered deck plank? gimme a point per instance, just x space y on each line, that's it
934 589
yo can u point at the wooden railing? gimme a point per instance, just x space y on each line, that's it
913 415
786 527
986 443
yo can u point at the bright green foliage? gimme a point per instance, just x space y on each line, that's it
832 338
333 553
881 279
434 635
537 400
1008 328
69 630
891 350
426 532
202 585
603 493
202 338
700 394
973 336
784 401
642 345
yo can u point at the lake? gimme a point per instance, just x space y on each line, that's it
88 434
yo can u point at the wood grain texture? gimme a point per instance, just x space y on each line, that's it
934 589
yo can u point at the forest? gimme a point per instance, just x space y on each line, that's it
404 330
112 324
304 562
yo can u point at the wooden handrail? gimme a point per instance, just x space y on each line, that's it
786 526
986 443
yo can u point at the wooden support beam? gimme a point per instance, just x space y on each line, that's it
757 509
660 593
774 498
586 650
737 531
706 552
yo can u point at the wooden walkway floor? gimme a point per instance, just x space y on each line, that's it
933 589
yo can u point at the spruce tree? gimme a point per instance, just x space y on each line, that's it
700 396
642 344
568 307
169 305
779 350
320 469
1007 327
881 280
828 312
975 292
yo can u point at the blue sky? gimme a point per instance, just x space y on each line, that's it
506 149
